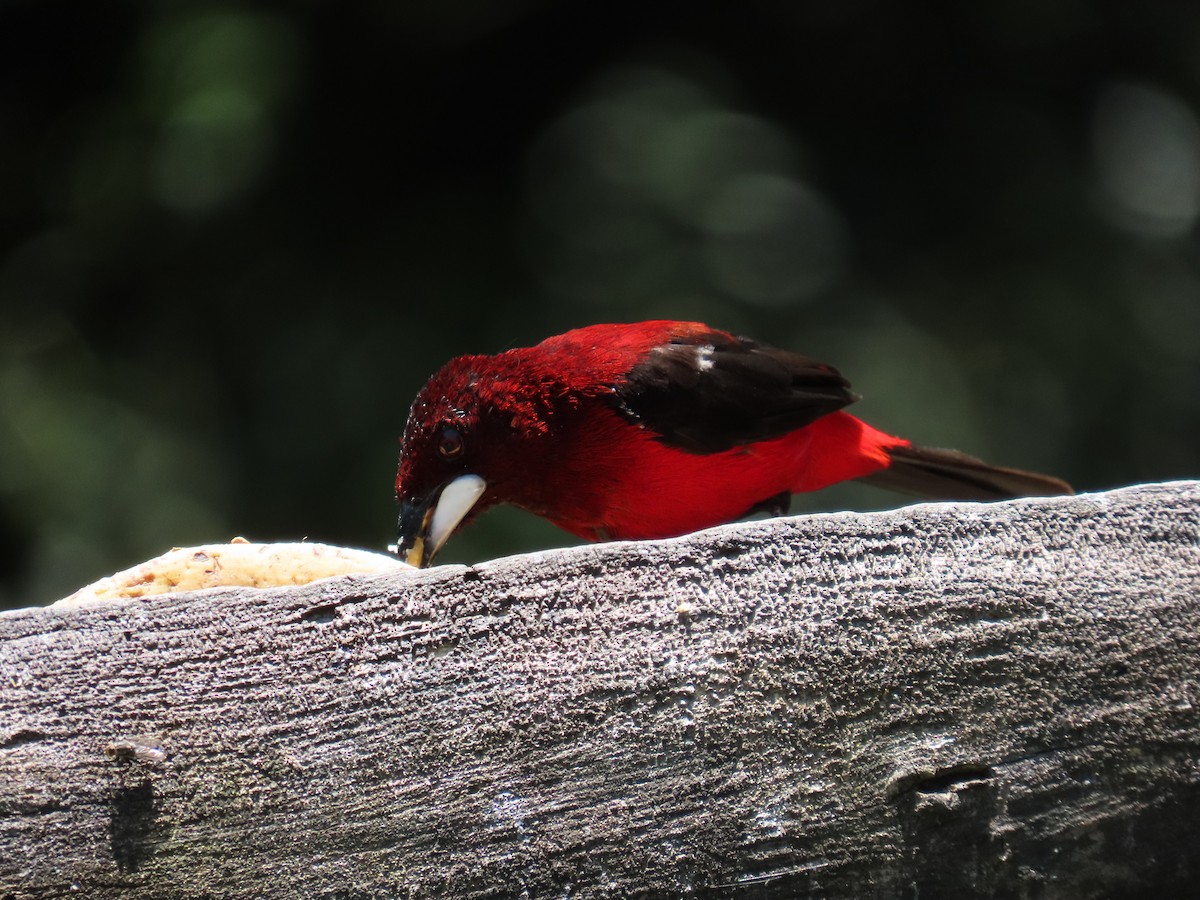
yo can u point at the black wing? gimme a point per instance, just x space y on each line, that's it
709 392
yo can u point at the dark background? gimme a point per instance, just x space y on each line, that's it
235 239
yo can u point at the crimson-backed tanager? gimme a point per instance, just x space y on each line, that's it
652 430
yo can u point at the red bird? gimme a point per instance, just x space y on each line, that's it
652 430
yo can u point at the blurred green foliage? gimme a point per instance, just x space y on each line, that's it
235 239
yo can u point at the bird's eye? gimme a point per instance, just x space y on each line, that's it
450 443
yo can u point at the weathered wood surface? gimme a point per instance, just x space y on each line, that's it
943 701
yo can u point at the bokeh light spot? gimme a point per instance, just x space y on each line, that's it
1146 144
772 240
212 148
656 188
216 82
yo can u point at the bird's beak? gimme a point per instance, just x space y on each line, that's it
426 525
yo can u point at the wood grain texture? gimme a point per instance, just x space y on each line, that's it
941 701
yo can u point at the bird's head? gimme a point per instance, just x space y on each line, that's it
472 440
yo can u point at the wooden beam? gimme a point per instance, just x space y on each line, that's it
942 701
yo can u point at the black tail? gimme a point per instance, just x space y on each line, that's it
949 475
